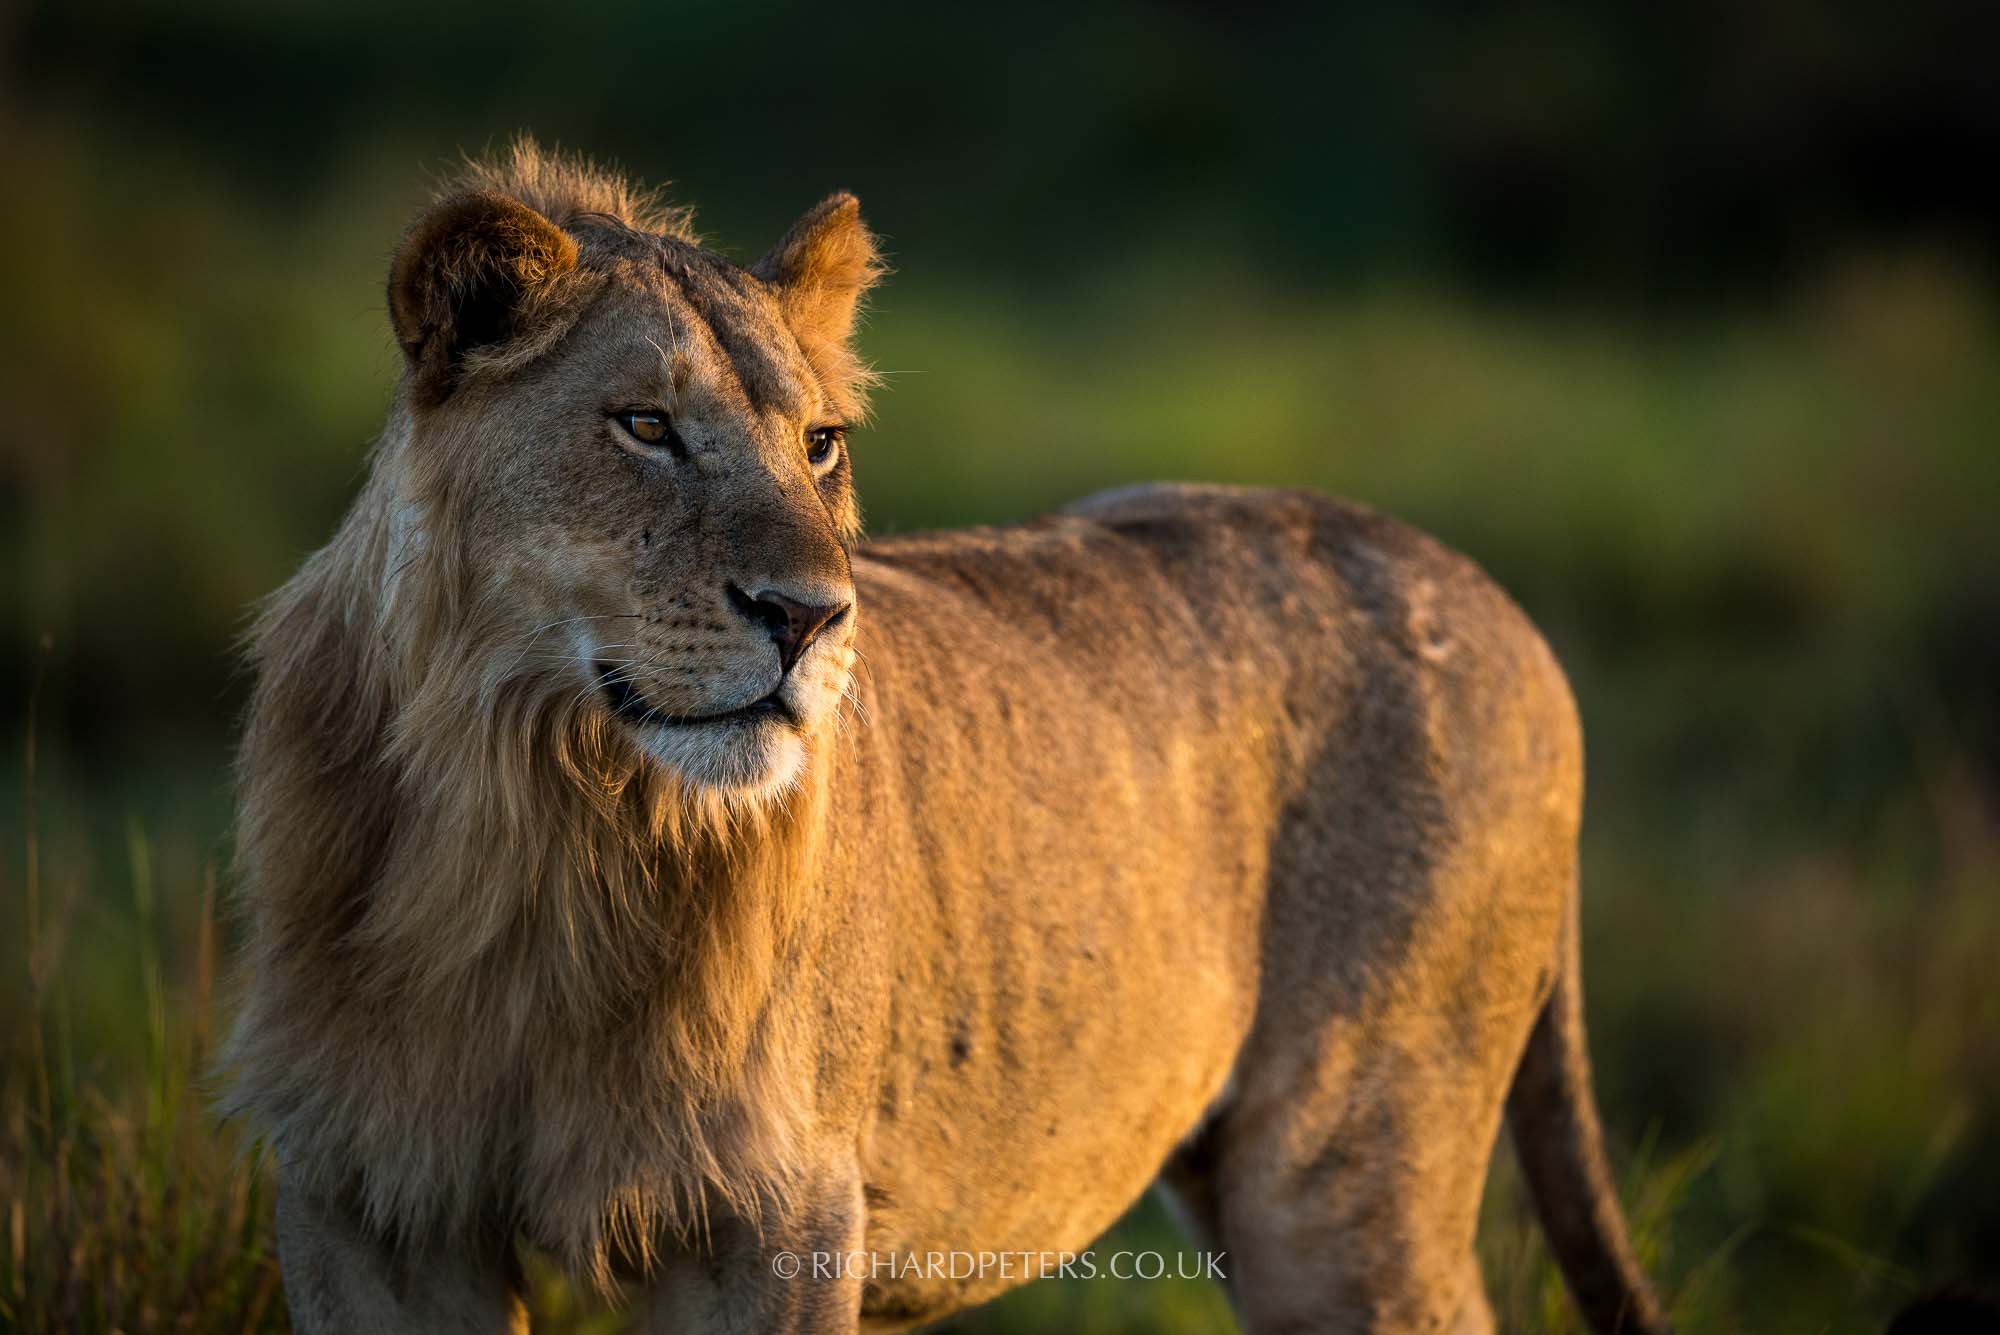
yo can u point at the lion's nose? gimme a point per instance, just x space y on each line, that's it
793 624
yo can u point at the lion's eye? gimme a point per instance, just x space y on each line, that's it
649 428
823 445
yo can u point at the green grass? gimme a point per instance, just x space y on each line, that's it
127 1207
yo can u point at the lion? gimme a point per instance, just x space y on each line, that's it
640 867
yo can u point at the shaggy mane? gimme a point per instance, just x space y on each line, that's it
470 895
563 187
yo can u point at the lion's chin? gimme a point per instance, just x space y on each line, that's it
741 759
753 752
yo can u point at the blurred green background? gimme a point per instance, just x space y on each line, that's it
1681 320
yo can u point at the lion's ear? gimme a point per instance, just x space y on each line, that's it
468 276
820 271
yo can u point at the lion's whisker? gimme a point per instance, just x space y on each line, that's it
539 631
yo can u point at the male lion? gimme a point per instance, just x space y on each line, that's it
641 866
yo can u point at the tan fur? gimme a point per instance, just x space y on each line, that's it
565 187
1221 837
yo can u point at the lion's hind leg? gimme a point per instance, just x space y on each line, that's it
1346 1198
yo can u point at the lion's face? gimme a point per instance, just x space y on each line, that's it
654 499
670 517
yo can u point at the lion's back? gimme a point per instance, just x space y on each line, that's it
1292 613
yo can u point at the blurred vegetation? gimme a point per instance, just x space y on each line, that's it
1685 326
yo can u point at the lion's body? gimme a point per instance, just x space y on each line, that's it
1233 768
1220 837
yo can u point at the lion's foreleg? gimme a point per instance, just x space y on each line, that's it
339 1278
798 1274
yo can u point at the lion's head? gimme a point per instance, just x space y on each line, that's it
621 461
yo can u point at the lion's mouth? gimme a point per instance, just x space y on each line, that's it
627 703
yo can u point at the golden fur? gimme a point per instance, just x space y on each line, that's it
1223 837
